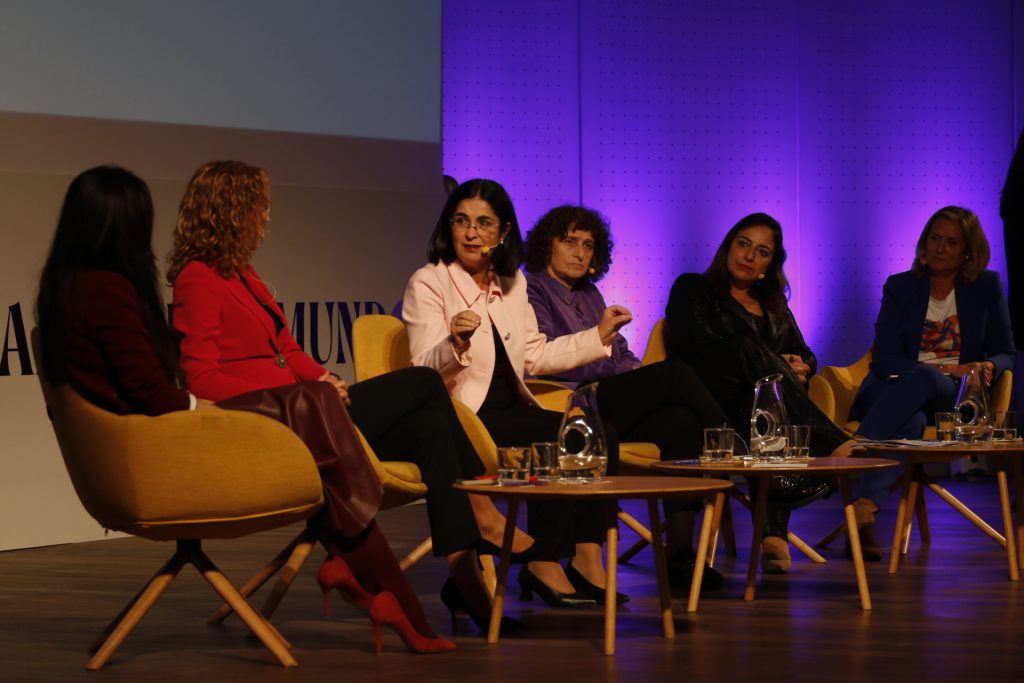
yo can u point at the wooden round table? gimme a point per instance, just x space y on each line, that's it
915 480
650 489
841 468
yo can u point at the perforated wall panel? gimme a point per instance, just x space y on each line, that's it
849 122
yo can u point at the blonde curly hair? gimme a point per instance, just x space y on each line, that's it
221 218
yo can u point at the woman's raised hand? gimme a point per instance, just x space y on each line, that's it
612 320
462 327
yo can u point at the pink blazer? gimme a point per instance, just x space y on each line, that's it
229 345
436 293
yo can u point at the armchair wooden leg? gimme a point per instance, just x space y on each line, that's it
259 626
114 634
417 554
291 558
639 529
728 531
832 535
923 530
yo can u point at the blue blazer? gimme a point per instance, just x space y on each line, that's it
985 332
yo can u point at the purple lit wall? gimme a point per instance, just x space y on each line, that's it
849 122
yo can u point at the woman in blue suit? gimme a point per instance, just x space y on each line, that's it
944 317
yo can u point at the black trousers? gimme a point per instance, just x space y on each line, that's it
556 527
665 404
408 415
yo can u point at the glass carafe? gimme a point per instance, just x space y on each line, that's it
582 447
768 419
973 421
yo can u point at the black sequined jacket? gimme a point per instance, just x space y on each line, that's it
721 340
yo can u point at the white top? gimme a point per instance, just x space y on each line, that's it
940 337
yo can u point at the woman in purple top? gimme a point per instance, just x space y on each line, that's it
665 403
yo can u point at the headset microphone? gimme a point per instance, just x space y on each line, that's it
485 250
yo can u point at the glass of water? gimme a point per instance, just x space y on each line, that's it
1004 425
545 459
945 424
513 465
718 444
798 441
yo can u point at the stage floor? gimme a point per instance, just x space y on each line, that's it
949 615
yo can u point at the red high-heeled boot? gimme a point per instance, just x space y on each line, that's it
384 609
335 573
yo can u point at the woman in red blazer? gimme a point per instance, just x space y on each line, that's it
234 339
102 328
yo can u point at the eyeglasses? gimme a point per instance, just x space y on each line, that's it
484 225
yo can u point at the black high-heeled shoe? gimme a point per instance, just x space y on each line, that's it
530 584
485 547
580 583
452 598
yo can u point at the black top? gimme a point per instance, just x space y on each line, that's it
731 349
502 391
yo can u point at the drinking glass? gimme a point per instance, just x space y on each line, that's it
545 459
513 465
798 441
945 423
1004 425
718 444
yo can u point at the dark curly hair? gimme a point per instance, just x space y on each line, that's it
773 290
556 224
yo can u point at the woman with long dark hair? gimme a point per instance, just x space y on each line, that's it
102 329
733 325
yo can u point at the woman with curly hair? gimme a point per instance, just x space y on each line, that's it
665 403
234 340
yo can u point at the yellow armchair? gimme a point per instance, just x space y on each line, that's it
833 389
184 477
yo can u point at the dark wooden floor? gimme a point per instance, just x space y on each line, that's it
949 615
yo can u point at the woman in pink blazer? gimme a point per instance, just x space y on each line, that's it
469 318
234 339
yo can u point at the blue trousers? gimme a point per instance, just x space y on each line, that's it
899 410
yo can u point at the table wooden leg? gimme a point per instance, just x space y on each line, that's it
901 518
661 570
908 519
1008 530
801 545
1018 488
712 509
716 526
854 534
760 508
967 512
498 605
611 571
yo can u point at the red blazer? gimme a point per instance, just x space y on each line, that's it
110 356
229 345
